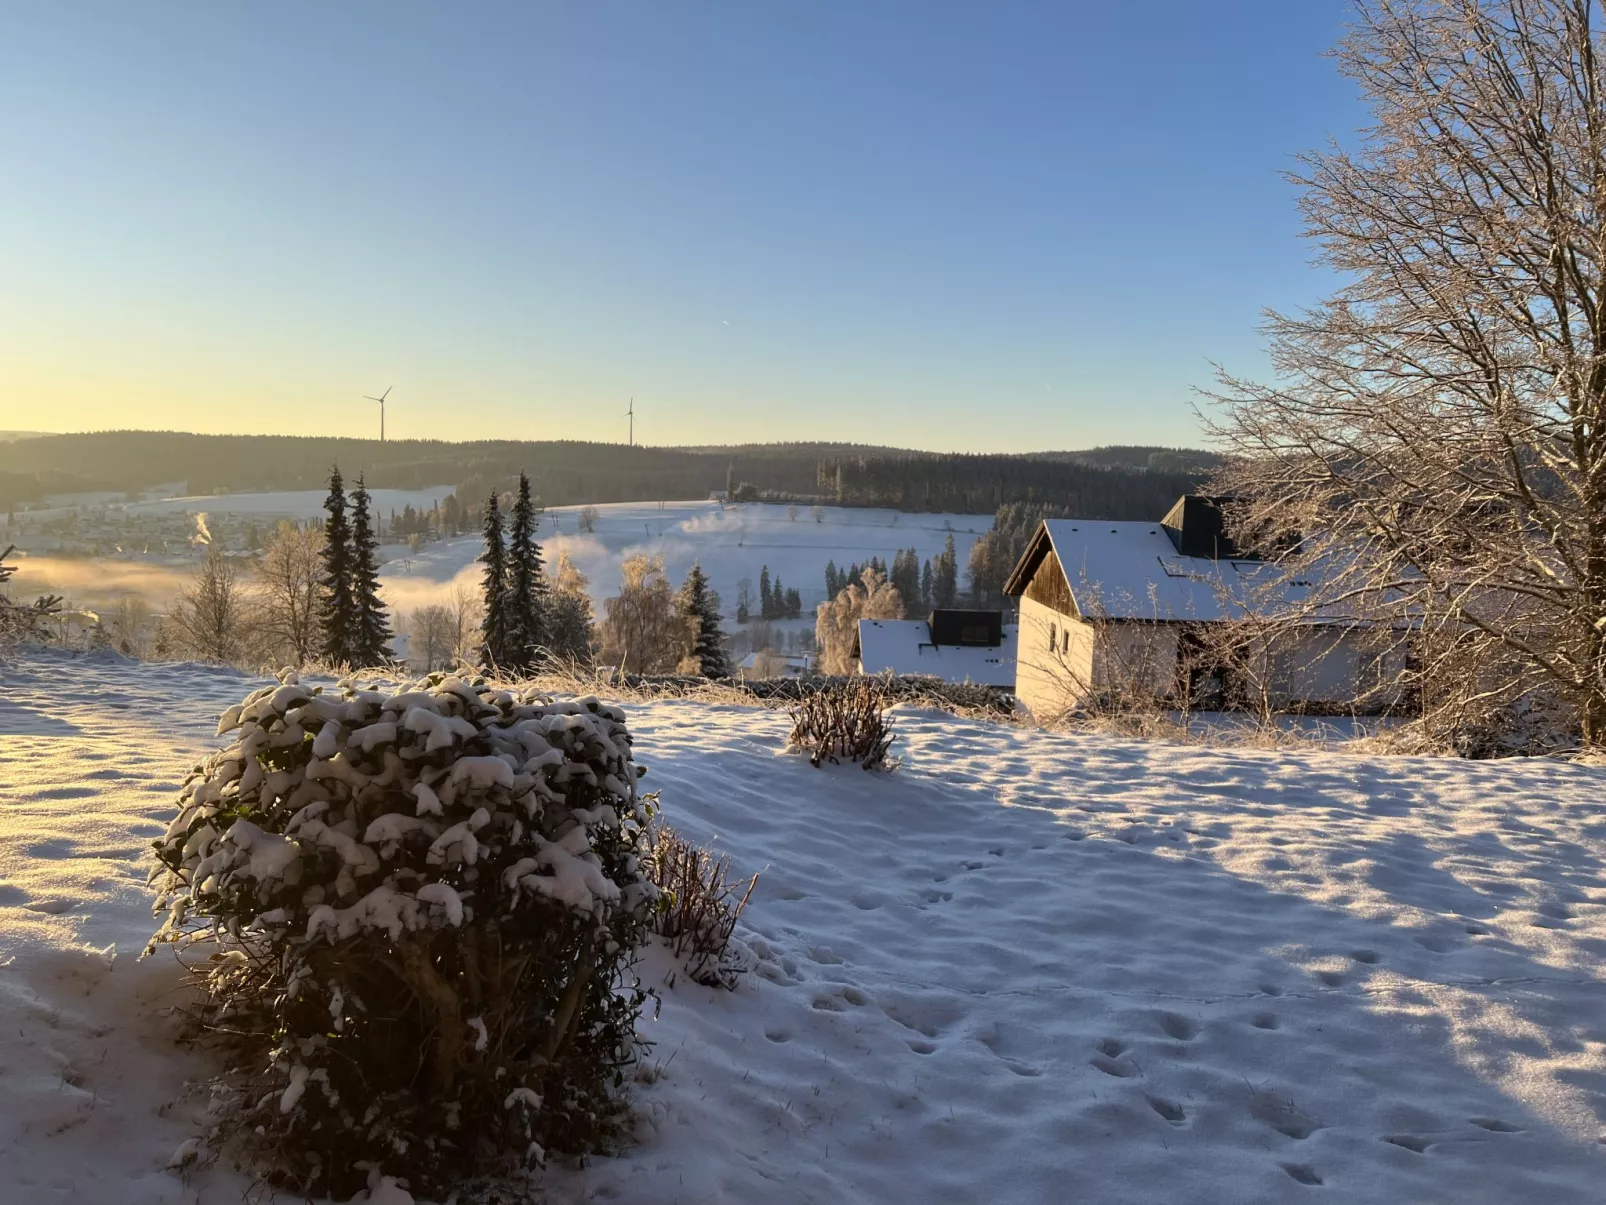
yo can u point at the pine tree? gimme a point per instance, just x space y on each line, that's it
945 587
794 604
337 607
928 586
494 650
766 600
777 599
831 586
697 605
371 638
527 619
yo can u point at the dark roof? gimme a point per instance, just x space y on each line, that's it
954 626
1198 528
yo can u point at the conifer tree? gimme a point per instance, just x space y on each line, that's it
945 583
766 601
370 644
927 585
697 605
831 585
494 651
337 607
569 615
527 605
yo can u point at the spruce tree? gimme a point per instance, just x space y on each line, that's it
766 601
494 650
697 605
831 586
928 586
527 618
371 637
945 587
337 607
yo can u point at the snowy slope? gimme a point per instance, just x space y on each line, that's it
730 543
1024 967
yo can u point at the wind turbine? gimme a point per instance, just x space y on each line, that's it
381 400
631 415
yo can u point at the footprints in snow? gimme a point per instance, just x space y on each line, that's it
1302 1172
1112 1056
839 998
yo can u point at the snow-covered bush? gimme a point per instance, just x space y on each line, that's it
700 906
424 906
847 720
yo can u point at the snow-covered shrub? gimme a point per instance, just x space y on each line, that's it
700 906
847 720
424 907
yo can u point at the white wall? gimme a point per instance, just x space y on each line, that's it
1053 661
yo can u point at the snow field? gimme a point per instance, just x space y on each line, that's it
730 544
1023 967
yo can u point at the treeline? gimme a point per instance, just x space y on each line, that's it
1091 486
1100 483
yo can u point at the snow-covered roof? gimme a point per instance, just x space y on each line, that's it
903 646
1129 570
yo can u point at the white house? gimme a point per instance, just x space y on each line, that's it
954 645
1118 607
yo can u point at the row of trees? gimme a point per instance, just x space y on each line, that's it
775 601
971 484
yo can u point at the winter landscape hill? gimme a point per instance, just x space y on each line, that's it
1022 966
1115 483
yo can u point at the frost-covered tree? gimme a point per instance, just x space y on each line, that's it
527 603
431 637
698 608
640 631
370 644
288 596
337 612
210 618
1436 432
495 650
836 621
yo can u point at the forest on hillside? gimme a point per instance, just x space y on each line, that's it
1129 482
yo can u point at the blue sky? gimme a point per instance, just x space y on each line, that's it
958 226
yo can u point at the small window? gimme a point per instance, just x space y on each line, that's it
1053 637
1065 646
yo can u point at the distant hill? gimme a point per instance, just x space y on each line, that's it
8 436
1103 483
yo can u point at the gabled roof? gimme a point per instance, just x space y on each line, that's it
1126 570
903 646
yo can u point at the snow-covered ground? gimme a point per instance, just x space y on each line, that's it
731 543
1022 967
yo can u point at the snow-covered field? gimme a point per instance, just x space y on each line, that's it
731 543
1022 967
